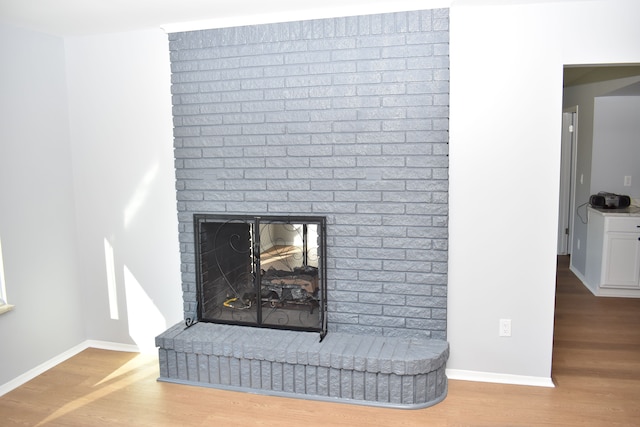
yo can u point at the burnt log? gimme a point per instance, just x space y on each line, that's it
300 284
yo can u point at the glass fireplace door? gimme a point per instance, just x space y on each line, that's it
261 271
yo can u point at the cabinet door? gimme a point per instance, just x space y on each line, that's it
621 260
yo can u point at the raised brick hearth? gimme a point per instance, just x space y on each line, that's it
382 371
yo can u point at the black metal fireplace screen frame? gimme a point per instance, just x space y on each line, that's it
233 284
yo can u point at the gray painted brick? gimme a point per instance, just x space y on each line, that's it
234 372
192 367
358 329
311 380
385 254
256 374
401 312
300 377
383 321
383 388
172 364
357 264
395 389
322 383
289 207
277 380
288 378
428 324
181 365
334 382
371 387
387 300
343 319
266 375
406 266
317 98
417 292
346 384
162 359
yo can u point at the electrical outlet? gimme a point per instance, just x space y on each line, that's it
627 181
505 328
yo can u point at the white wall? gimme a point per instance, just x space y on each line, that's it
505 126
37 218
121 133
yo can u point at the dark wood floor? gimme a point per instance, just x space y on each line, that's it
596 366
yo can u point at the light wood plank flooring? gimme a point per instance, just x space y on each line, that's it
596 366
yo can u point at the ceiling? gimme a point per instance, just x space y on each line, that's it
86 17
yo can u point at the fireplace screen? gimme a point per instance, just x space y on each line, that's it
261 271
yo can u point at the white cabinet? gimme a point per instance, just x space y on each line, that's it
621 260
613 254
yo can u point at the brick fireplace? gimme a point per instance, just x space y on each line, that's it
344 119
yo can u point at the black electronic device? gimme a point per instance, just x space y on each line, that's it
606 200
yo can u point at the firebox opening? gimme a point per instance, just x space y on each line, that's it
266 271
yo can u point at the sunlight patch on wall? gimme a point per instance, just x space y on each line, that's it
4 302
3 289
111 280
144 318
139 195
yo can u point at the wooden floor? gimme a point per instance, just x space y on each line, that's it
596 367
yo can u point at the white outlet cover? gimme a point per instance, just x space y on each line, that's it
505 328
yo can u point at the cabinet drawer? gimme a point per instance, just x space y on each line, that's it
623 224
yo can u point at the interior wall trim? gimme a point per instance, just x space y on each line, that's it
492 377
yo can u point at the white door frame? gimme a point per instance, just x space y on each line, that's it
566 203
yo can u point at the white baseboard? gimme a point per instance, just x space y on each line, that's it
115 346
582 278
43 367
491 377
600 291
